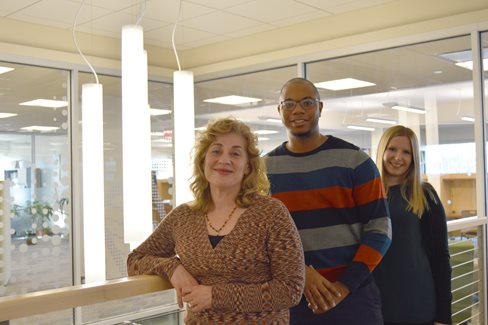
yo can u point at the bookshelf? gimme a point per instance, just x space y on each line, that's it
458 195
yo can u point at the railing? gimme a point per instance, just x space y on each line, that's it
12 307
40 302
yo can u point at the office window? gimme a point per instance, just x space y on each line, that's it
258 107
421 86
35 180
161 101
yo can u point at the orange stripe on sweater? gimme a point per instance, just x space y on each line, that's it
369 192
368 256
331 197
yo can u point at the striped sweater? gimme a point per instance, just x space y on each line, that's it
335 196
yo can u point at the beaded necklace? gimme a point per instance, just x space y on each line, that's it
222 227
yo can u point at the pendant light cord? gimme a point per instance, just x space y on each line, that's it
142 12
173 36
76 42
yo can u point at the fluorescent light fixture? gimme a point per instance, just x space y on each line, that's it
51 103
7 115
40 128
201 128
468 118
263 139
5 69
342 84
184 134
93 182
158 111
381 120
263 132
409 109
136 138
359 127
269 119
469 64
232 100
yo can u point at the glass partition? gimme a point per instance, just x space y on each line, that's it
426 87
257 103
35 180
161 102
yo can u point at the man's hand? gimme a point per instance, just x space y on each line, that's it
321 294
182 280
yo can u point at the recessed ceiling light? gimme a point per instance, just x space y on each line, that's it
469 64
381 120
232 100
6 115
468 118
263 132
409 109
40 128
359 127
45 103
158 111
269 119
342 84
5 69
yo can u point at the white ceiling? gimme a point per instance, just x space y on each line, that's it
201 22
405 75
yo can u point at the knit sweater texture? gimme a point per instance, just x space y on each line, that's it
256 271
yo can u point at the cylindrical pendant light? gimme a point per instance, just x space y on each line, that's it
183 134
136 138
93 182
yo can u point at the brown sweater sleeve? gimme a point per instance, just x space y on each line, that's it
285 287
156 255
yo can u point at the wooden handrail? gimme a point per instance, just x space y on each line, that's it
40 302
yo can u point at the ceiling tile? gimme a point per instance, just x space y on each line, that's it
268 9
219 4
168 10
253 30
219 22
11 6
300 19
340 6
183 34
56 12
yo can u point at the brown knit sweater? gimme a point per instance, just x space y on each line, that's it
256 271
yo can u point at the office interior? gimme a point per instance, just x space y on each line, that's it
423 64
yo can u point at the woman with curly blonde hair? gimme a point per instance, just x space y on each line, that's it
233 254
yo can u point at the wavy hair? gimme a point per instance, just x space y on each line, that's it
254 183
412 188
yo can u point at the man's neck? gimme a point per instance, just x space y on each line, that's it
300 145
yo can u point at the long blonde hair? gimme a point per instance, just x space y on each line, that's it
412 188
254 183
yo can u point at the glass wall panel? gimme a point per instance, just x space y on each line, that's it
161 101
423 86
260 111
35 180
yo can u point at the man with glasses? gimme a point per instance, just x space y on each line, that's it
334 193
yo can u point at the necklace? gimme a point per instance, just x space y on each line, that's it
222 227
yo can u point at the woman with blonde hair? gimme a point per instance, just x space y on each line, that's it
414 276
233 255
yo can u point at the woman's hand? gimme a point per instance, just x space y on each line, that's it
182 280
198 297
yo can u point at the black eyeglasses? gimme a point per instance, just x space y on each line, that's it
306 103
